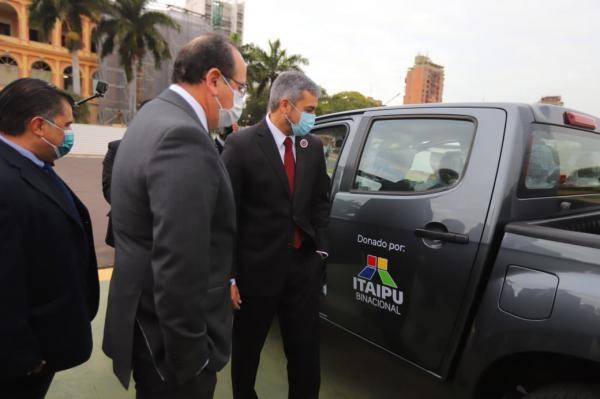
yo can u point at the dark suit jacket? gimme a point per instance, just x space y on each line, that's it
107 167
174 225
218 145
266 213
48 272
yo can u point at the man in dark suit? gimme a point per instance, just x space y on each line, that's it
169 316
280 183
222 136
107 167
48 271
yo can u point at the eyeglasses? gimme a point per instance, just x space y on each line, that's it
242 87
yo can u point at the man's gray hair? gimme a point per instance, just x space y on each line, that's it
291 85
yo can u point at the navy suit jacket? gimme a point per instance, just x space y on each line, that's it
48 272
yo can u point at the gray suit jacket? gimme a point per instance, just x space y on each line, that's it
174 225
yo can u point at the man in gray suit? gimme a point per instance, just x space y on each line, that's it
168 316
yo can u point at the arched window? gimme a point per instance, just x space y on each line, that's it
9 70
41 70
9 20
68 78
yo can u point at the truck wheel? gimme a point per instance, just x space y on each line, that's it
566 391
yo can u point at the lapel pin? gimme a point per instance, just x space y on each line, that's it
304 143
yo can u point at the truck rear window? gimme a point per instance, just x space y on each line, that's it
561 161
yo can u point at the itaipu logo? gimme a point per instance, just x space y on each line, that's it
384 295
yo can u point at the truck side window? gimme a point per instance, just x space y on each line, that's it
332 138
561 161
414 155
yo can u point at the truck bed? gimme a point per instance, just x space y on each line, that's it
581 229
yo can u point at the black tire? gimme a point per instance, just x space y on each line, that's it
566 391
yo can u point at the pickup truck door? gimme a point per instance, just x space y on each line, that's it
405 227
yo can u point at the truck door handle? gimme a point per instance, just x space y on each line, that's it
442 236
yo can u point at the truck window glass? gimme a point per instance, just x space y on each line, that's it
333 139
414 155
561 161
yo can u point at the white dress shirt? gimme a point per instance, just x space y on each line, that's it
279 138
193 103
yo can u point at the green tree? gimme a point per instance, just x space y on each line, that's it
344 101
263 69
43 15
133 30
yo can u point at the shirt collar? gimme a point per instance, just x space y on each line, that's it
193 103
278 135
24 152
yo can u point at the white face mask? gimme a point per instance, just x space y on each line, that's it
229 116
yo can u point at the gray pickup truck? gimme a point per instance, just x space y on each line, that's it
465 242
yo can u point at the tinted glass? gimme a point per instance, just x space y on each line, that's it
414 155
562 161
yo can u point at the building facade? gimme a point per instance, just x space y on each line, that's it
24 54
116 107
554 100
424 82
226 16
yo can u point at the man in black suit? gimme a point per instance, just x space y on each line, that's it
168 316
107 167
280 183
48 271
222 136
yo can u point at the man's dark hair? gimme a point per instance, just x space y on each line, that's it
200 55
26 98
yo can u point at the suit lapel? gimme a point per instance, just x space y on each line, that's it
269 148
37 179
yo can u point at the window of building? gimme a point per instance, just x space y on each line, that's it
5 29
9 70
41 70
68 78
94 41
414 155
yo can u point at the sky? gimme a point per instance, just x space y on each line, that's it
511 50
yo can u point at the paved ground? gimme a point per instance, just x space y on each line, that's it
351 369
84 176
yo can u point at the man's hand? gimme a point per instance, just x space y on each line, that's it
236 299
38 369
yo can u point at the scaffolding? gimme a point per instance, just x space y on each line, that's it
117 107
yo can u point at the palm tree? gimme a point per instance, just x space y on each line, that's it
133 29
264 67
43 15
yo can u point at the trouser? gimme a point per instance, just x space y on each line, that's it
27 387
297 309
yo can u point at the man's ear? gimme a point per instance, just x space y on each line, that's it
35 125
212 78
284 105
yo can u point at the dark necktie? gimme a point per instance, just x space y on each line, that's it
63 189
289 165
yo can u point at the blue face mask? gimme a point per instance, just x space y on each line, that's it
304 125
65 147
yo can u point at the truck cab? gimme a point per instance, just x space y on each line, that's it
422 197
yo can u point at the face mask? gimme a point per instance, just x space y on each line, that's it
304 125
64 148
229 116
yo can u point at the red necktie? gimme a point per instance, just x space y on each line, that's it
290 170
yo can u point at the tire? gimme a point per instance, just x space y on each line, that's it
566 391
